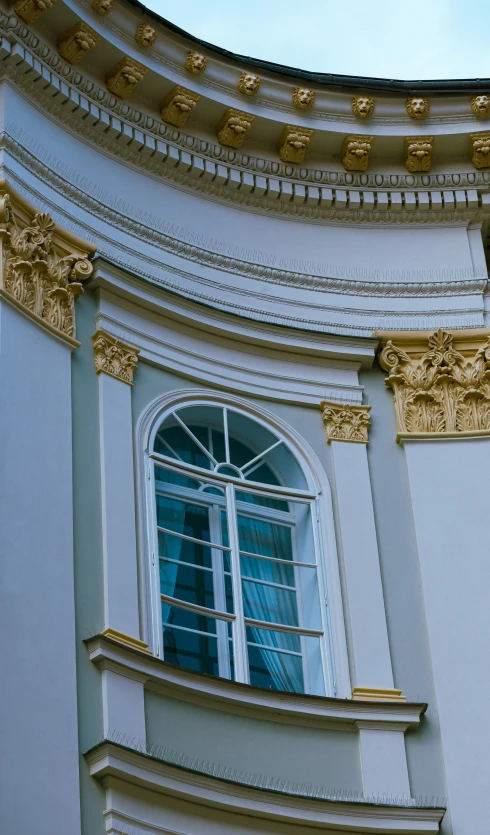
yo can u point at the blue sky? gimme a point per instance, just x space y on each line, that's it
411 39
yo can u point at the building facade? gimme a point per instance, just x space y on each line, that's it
245 439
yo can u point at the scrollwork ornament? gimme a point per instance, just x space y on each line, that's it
345 422
443 391
30 10
33 273
114 357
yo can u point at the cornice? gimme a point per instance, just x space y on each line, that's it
165 772
257 184
457 282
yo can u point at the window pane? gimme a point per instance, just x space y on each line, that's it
275 670
271 572
176 616
175 548
289 641
163 476
183 517
269 603
174 441
263 501
266 538
192 585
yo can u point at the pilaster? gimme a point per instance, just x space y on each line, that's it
441 388
115 364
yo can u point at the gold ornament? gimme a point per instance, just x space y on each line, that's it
355 152
479 147
145 35
75 43
363 106
177 106
293 143
233 127
418 107
195 62
125 76
114 357
345 422
418 153
248 83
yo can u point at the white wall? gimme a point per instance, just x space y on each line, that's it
39 791
450 488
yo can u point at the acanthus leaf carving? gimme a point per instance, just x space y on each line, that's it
30 10
114 357
441 390
345 422
35 275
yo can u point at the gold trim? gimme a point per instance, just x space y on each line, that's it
126 640
113 357
440 382
345 422
377 694
42 267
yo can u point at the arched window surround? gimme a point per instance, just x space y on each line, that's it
335 645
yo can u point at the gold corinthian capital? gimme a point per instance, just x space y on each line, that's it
345 422
42 266
440 382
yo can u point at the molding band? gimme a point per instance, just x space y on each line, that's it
126 640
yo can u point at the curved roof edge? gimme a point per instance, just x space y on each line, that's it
458 85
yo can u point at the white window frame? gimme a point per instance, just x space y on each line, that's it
333 640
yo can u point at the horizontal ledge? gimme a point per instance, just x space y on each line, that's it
221 694
112 760
441 436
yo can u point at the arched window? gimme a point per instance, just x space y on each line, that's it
236 552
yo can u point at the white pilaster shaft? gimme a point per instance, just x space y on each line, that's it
371 661
450 488
118 507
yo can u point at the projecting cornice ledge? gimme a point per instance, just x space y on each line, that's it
221 694
260 797
440 382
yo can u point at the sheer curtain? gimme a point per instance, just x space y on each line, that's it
170 514
269 603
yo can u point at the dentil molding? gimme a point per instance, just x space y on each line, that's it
440 383
345 422
41 266
226 173
114 357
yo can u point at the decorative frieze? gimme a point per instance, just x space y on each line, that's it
114 357
345 422
30 10
145 35
233 127
363 106
76 42
38 272
125 76
479 148
441 382
177 106
248 83
103 7
418 153
418 107
293 143
303 98
480 105
355 152
195 62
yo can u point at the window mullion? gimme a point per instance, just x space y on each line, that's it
219 593
239 630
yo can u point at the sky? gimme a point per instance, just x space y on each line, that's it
411 39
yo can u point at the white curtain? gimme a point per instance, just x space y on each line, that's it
268 603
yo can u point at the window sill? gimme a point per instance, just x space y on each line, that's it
221 694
